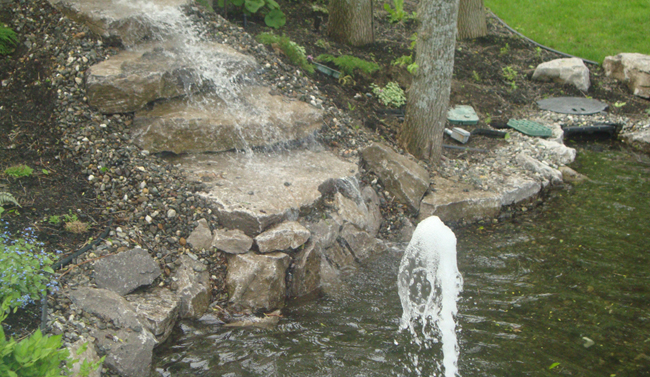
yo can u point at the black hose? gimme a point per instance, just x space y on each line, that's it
541 45
64 262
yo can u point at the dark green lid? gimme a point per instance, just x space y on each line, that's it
530 128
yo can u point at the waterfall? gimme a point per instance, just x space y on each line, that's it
429 285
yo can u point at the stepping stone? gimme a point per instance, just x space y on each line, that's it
126 22
210 124
259 190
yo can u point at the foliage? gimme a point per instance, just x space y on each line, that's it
347 80
603 28
70 217
294 51
348 63
396 15
407 60
504 50
54 220
274 17
6 197
322 44
24 269
207 4
8 40
476 76
510 75
390 95
319 9
19 171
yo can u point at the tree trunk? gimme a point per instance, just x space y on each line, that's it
428 98
471 19
350 22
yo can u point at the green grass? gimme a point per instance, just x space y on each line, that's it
591 29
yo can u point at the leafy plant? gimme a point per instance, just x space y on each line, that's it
396 15
510 75
348 63
5 198
390 95
619 104
504 50
538 52
319 9
8 40
322 44
294 51
347 80
476 76
24 269
207 4
403 60
19 171
274 17
70 217
54 220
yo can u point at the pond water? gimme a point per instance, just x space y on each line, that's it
562 289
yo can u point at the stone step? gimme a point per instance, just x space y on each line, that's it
133 78
259 190
126 22
207 123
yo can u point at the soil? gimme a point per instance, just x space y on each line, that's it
56 187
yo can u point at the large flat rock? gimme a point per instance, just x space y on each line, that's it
256 191
133 78
633 69
126 22
209 124
455 201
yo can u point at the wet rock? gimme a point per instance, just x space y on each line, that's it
257 281
306 270
267 321
232 241
549 175
633 69
128 354
107 305
126 271
289 234
514 189
362 244
193 282
560 153
255 118
340 258
89 355
402 177
571 176
350 212
571 71
201 236
639 139
453 202
325 232
157 311
374 214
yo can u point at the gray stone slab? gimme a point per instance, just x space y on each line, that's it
454 201
127 353
107 305
194 290
126 271
157 311
289 234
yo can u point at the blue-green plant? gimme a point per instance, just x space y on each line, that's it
273 16
25 268
8 40
390 95
348 63
295 52
19 171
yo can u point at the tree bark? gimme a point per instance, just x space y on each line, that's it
471 19
428 98
350 22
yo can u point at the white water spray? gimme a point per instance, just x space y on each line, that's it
429 285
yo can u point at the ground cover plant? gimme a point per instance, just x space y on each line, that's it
592 30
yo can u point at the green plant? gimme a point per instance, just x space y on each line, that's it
347 80
292 50
54 220
319 9
390 95
396 15
24 269
538 52
504 50
274 17
5 198
510 75
207 4
351 107
647 111
476 76
322 44
413 68
104 169
619 104
70 217
8 40
348 63
19 171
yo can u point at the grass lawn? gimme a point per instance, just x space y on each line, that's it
590 29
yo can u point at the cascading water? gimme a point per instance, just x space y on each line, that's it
429 285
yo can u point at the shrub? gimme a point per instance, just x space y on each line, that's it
347 63
396 15
24 269
8 40
295 52
274 17
390 95
19 171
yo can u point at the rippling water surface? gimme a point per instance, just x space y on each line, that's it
563 289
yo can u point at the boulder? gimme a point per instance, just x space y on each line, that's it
633 69
289 234
351 212
126 271
232 241
133 78
455 201
340 258
107 305
257 281
374 214
89 355
571 71
325 232
305 273
157 311
201 236
545 172
639 139
254 118
571 176
401 176
361 244
128 353
194 290
558 152
516 188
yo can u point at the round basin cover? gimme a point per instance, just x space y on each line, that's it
572 105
